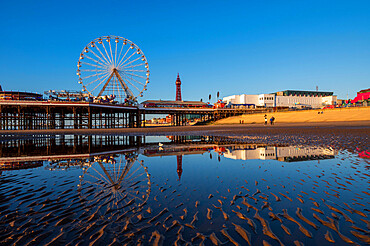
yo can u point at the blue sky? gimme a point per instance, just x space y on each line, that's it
233 47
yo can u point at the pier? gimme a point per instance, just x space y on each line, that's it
35 115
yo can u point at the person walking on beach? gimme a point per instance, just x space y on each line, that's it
272 120
265 119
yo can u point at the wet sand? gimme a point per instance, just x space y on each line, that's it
263 202
339 126
349 135
218 201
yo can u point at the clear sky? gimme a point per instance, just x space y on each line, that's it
233 47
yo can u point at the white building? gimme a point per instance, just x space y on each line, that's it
241 100
288 98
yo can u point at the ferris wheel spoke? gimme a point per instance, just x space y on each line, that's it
103 179
124 56
135 65
131 174
128 58
93 65
106 52
92 70
119 168
118 57
92 184
99 77
136 75
134 70
111 54
93 75
88 57
131 179
126 169
115 54
101 53
130 78
135 80
133 195
132 84
107 174
101 82
98 57
131 62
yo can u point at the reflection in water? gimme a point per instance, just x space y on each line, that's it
179 166
96 190
121 182
62 150
285 153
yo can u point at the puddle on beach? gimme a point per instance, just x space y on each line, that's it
117 190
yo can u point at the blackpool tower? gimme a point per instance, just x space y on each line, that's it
178 88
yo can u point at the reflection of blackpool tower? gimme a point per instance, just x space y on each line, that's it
179 166
178 98
178 88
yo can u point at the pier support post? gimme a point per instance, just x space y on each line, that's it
89 118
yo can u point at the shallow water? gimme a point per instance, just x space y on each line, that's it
107 190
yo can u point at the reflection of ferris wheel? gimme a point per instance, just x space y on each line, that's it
113 66
122 184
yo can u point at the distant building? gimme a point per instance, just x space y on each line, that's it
19 95
287 98
363 96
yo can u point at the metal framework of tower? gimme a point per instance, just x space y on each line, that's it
178 88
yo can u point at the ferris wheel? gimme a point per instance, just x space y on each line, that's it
115 67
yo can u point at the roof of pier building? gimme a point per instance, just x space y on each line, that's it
304 93
19 95
168 103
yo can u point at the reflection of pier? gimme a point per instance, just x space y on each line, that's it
28 153
67 145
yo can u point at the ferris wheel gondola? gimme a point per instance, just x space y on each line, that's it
113 66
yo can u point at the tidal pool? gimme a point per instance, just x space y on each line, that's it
109 190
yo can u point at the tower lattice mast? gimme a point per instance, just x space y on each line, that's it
178 88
